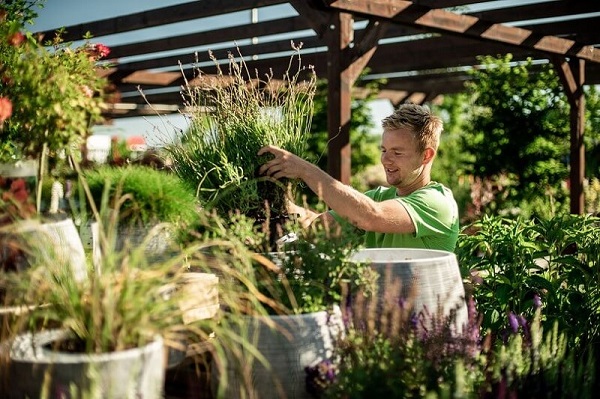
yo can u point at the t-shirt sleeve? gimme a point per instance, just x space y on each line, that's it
432 213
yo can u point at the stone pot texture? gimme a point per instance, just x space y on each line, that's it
296 342
132 373
428 280
58 241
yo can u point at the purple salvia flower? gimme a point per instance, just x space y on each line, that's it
537 301
522 321
414 320
401 303
330 374
513 322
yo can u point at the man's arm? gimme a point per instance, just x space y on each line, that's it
307 216
385 217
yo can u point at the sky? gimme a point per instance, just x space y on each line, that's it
58 13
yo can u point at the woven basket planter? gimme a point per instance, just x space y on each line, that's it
297 341
58 241
428 280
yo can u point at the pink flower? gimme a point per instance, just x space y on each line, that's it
97 51
87 91
5 109
102 50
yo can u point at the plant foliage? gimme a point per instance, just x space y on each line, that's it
233 115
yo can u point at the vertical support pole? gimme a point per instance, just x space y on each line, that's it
339 97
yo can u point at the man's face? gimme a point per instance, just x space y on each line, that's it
400 157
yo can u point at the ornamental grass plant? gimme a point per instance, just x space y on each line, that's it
143 194
127 300
233 114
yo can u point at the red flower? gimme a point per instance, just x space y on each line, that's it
5 109
102 50
16 39
97 51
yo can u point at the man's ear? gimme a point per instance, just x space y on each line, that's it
428 155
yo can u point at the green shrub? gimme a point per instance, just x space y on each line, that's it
144 195
405 361
511 261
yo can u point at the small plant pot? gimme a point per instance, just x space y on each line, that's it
132 373
201 297
294 343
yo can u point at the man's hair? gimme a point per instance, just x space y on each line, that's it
426 126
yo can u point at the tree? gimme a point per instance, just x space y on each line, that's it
519 132
451 159
513 125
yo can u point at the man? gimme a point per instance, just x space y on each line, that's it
413 212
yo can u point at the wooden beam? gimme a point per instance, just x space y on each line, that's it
551 9
572 76
159 16
188 60
407 12
152 78
231 33
317 19
340 81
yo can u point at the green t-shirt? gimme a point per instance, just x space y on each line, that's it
433 211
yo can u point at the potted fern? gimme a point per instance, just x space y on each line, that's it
232 116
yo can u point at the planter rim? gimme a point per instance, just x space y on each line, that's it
387 255
19 168
33 349
296 316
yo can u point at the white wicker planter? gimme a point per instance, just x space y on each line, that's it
297 341
426 279
133 373
59 241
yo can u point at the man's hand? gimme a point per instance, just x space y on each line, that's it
284 164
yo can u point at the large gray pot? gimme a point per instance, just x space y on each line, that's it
133 373
296 341
427 279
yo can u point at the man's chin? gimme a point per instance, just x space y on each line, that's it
391 181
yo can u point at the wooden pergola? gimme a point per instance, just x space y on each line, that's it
424 49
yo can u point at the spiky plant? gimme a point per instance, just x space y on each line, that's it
233 115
